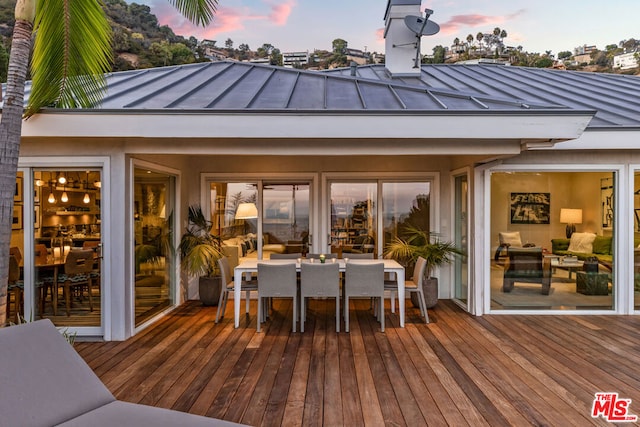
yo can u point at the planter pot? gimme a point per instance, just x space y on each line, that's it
209 289
430 290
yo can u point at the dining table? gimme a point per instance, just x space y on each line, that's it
250 266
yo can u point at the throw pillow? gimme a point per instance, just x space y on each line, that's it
582 242
511 238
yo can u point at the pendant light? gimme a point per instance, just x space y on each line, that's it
86 199
51 199
64 198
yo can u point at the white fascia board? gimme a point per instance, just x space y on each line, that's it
604 139
535 125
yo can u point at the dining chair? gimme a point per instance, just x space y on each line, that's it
319 280
15 286
277 281
40 253
295 255
14 251
364 280
77 275
226 275
412 285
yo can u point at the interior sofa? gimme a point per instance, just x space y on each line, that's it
45 382
602 249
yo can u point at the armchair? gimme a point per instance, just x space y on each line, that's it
527 265
507 240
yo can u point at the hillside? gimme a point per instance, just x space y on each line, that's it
140 42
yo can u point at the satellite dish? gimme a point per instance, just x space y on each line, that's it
421 27
418 26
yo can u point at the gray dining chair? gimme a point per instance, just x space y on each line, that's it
226 275
277 281
364 280
295 255
319 280
413 285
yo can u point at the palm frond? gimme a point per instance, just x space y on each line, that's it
72 51
200 12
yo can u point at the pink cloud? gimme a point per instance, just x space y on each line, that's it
458 22
226 19
280 12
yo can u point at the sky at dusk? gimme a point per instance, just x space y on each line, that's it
298 25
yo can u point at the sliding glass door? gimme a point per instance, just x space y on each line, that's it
154 205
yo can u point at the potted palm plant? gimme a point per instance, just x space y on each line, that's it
419 243
200 250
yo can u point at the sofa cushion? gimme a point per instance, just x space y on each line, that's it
44 381
124 414
510 238
582 242
602 245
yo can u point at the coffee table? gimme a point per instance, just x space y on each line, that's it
570 266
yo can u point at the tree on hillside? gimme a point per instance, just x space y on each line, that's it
338 46
264 50
72 51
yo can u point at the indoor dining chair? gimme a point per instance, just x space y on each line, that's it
77 275
277 281
411 286
227 287
319 280
364 280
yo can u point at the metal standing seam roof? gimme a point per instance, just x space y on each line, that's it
440 89
614 97
237 86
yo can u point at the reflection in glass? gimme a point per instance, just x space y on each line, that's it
285 222
153 228
353 217
461 212
404 205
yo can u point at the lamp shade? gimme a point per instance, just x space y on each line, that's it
571 216
246 211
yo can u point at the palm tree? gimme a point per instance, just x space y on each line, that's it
71 53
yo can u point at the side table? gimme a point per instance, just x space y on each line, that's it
592 283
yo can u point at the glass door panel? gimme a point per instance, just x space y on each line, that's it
461 265
285 222
404 205
353 217
234 214
153 227
67 211
636 241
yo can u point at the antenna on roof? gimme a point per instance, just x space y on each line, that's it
421 27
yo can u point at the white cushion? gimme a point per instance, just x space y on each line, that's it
582 242
511 238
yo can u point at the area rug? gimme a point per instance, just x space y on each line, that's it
563 294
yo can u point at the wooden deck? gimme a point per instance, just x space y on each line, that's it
459 370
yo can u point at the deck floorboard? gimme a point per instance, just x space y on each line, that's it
494 370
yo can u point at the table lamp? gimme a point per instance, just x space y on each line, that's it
570 217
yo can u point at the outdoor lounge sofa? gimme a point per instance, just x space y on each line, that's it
45 382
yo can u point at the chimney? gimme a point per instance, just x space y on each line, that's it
400 42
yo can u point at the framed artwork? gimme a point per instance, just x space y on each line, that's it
606 197
16 224
530 208
36 217
17 196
